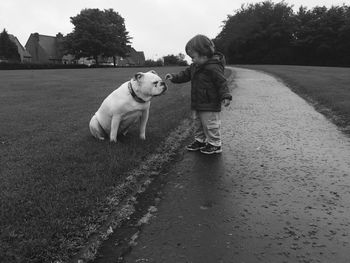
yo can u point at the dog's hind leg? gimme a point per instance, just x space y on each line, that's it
96 129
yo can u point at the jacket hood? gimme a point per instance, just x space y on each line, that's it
218 58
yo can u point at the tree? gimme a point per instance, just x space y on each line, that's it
8 49
322 35
257 33
270 32
97 33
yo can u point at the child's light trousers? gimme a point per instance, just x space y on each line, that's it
207 127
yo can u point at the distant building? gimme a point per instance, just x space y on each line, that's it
45 49
134 58
85 61
23 53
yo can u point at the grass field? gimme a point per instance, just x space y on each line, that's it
54 176
327 88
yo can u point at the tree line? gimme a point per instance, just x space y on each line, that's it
272 33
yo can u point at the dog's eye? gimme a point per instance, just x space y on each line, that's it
155 83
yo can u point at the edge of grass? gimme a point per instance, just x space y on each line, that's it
122 200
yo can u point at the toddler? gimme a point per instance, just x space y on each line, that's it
208 91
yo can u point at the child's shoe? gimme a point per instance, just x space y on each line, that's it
210 149
195 146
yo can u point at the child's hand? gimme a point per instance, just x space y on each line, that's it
226 102
168 76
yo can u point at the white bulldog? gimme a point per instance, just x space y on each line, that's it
126 105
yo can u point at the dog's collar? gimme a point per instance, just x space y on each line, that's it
133 94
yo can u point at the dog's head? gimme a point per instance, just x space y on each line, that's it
149 84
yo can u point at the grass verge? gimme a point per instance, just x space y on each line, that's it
326 88
58 184
120 203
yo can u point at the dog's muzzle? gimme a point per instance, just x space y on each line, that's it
164 88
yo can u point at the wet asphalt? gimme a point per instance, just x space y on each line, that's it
279 192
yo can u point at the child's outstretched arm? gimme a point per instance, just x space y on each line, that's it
181 77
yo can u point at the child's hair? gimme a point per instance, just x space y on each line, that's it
200 44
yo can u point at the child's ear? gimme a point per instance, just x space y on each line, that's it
138 76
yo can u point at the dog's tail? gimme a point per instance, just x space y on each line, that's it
96 129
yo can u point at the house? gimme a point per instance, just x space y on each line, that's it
134 58
45 49
23 53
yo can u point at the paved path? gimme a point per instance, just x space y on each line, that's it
280 191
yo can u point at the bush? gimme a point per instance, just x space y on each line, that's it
175 60
154 63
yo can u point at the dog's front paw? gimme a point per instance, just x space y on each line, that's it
143 136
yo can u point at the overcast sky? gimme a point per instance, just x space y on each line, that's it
158 27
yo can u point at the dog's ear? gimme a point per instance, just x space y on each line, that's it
154 72
138 76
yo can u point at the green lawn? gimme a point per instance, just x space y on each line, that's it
327 88
54 175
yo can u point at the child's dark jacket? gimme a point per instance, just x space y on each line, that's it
208 83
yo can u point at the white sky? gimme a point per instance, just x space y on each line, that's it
158 27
